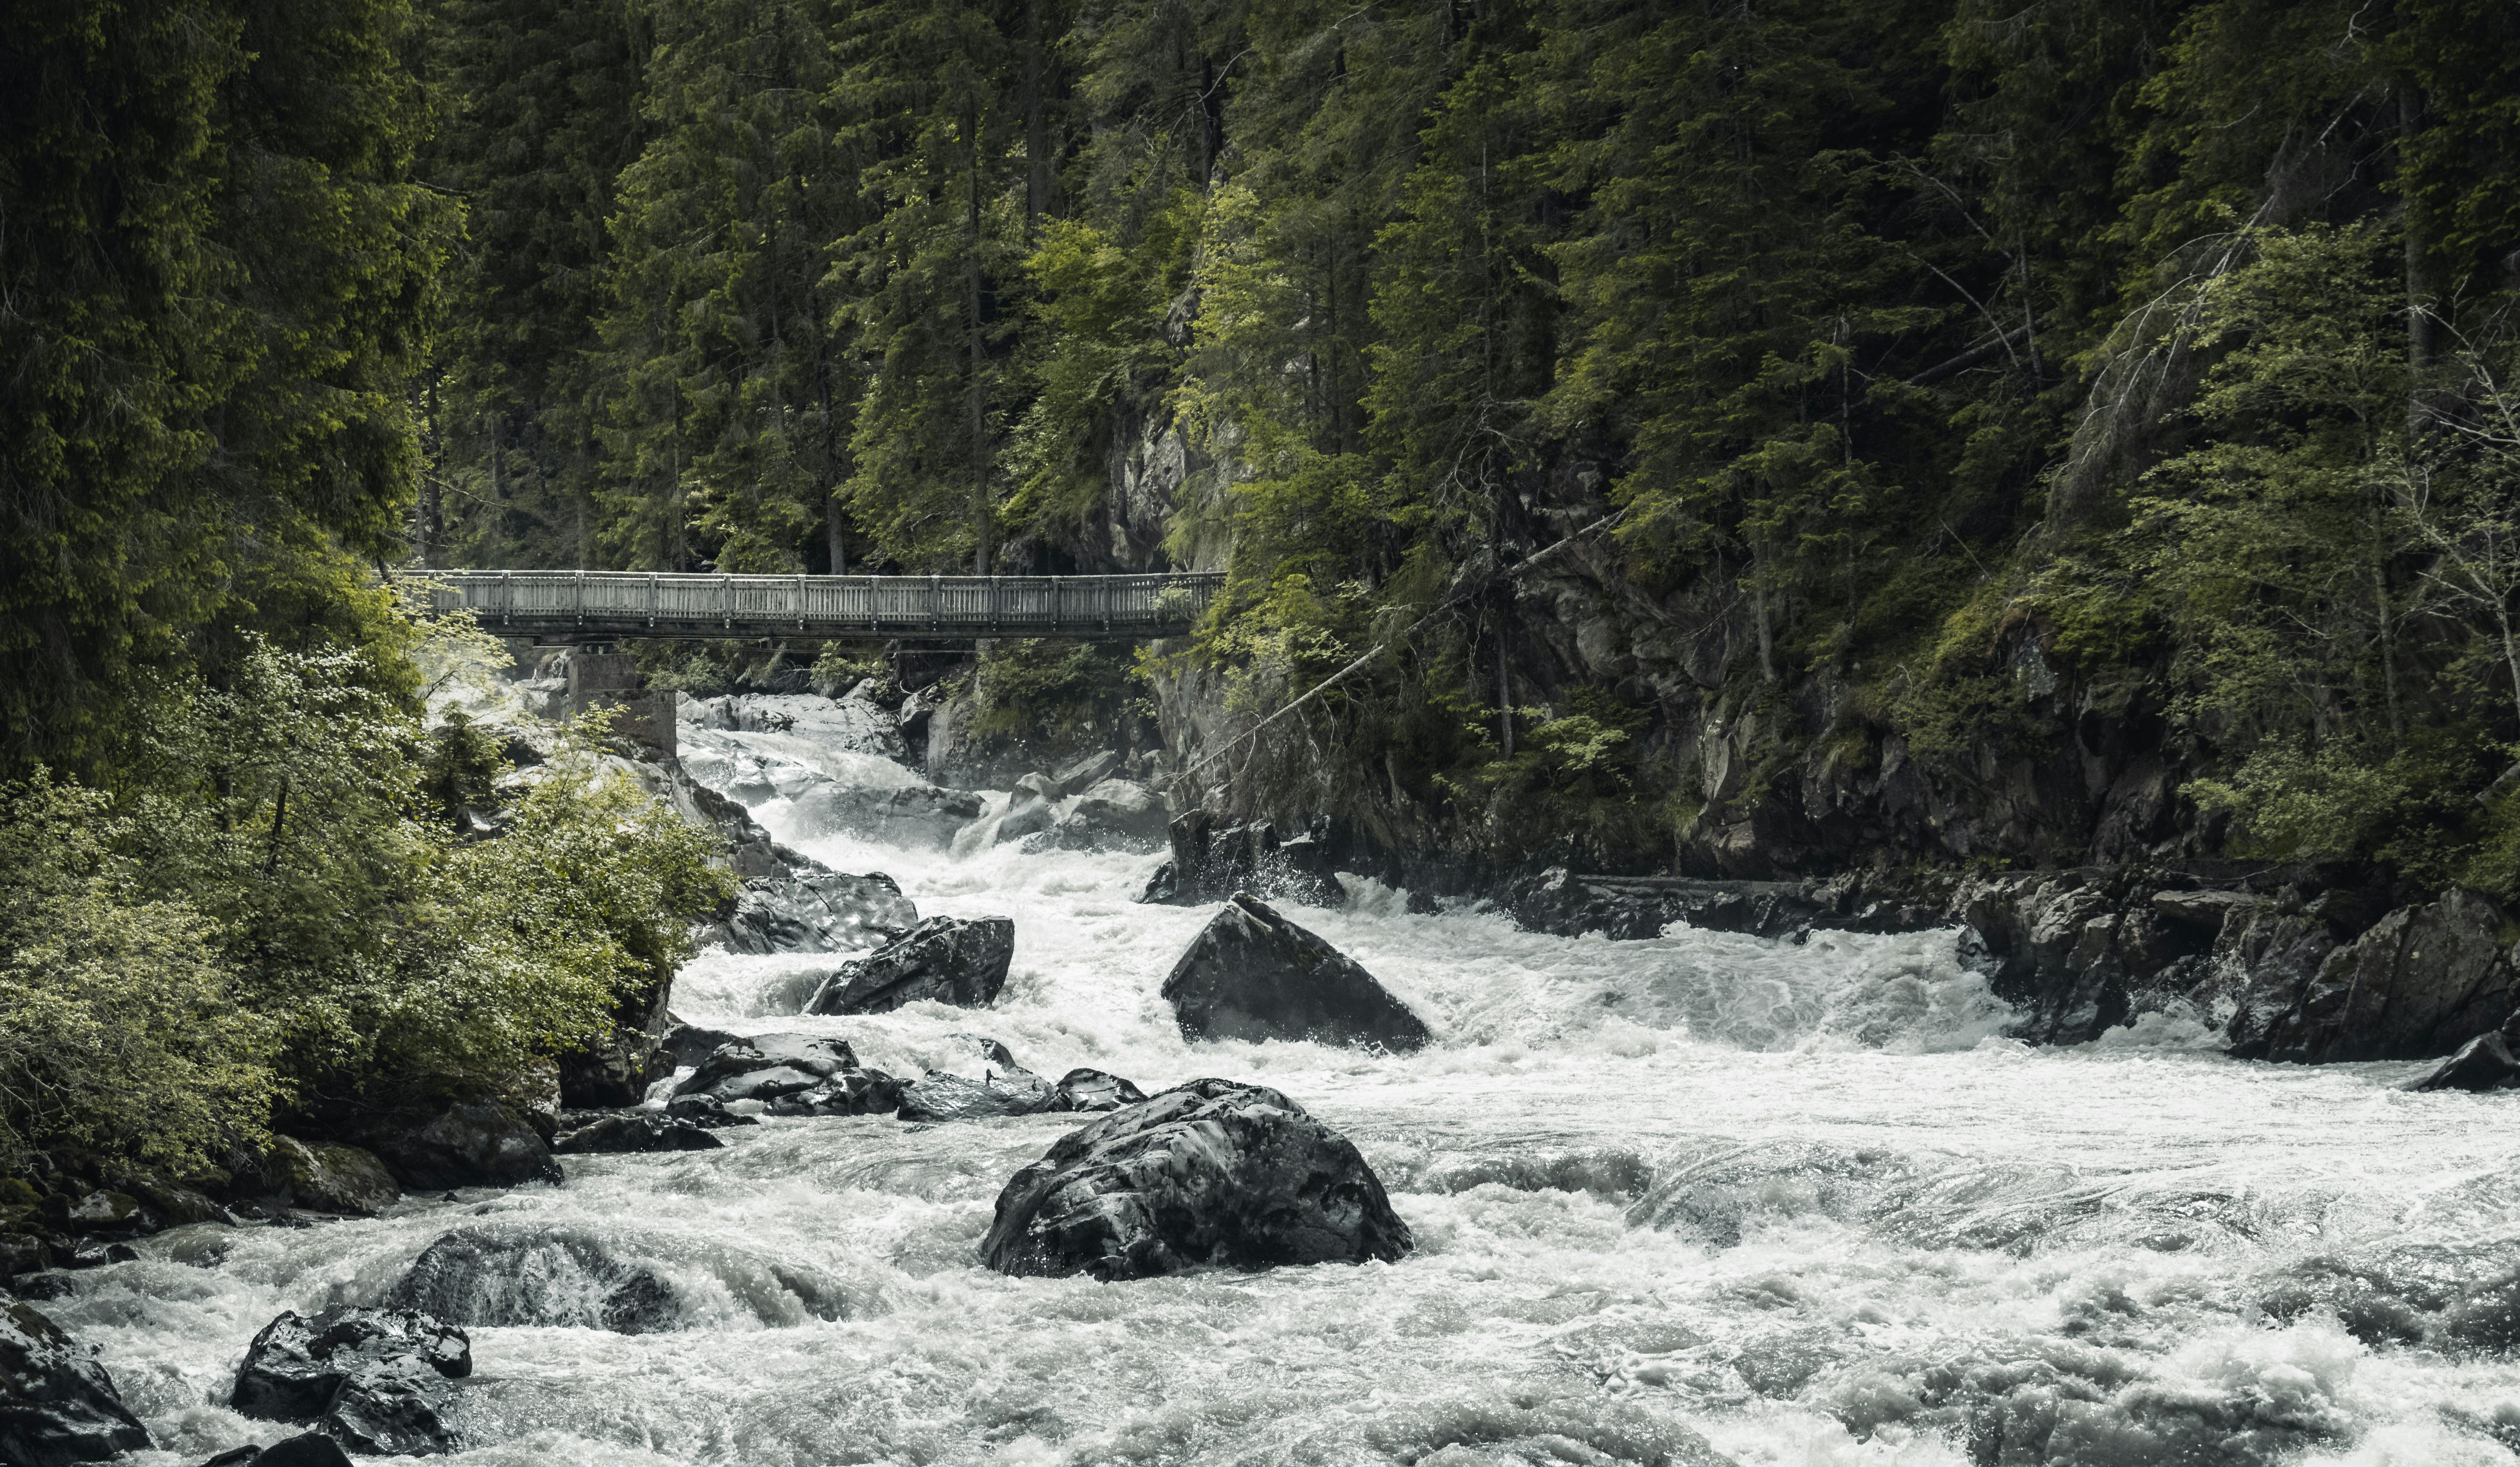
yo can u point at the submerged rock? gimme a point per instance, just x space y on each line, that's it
802 1075
307 1450
1212 1173
57 1406
956 960
2483 1063
469 1144
297 1367
707 1111
916 816
480 1276
1253 975
634 1131
1712 1198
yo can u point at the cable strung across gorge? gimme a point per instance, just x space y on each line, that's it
1476 588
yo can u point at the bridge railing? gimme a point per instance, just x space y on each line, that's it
936 606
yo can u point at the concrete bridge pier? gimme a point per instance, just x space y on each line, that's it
601 678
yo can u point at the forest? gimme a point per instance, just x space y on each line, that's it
1930 381
2174 336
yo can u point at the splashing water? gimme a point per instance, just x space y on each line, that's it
1781 1203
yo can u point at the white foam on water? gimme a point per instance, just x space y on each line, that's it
1901 1196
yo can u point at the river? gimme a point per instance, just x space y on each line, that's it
1882 1232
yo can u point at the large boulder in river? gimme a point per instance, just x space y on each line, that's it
1253 975
57 1406
814 912
956 960
1213 1173
793 1075
297 1368
468 1144
486 1276
2422 982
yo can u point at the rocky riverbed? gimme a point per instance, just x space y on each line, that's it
1694 1196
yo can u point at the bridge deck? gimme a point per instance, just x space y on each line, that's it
911 608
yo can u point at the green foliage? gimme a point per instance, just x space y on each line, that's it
2289 804
220 277
462 768
273 907
1049 684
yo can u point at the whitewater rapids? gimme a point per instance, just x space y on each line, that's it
1900 1186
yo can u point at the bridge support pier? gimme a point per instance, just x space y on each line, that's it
599 680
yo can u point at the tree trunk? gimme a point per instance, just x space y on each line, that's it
978 406
839 537
2419 319
1504 695
1036 128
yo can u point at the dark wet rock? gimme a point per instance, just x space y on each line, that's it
2262 960
814 912
1212 1173
2206 911
2423 981
1714 1198
954 960
940 1096
1002 1088
634 1131
394 1407
57 1404
689 1043
1115 815
104 1211
854 1092
295 1366
1253 975
793 1075
22 1253
1084 773
617 1069
707 1111
2483 1063
1210 863
751 851
916 816
1626 908
308 1449
469 1144
321 1177
1092 1091
485 1276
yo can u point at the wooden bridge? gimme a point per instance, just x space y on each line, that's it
592 604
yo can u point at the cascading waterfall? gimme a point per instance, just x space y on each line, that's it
1782 1203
